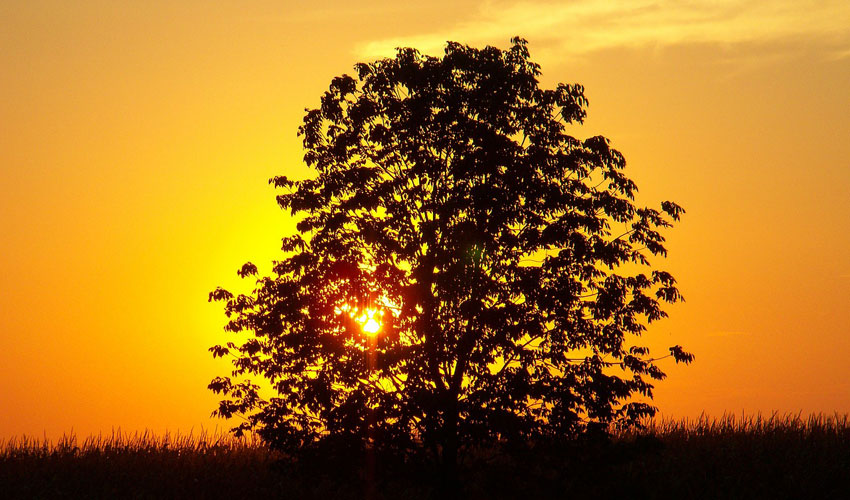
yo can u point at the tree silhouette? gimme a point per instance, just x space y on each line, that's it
504 260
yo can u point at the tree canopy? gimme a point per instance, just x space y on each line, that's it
464 271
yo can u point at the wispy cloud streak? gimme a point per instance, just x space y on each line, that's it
728 333
578 27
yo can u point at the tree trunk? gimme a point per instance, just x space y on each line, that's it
451 485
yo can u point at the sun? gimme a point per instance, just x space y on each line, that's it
371 326
369 319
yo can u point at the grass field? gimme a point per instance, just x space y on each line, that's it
753 457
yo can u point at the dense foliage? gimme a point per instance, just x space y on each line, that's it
505 260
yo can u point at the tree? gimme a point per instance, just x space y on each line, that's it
464 272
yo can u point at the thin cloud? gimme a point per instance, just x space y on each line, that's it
579 27
725 333
841 54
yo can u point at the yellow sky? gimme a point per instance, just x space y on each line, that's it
136 139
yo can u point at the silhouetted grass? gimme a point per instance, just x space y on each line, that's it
140 465
782 456
752 457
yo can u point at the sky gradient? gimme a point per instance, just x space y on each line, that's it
137 138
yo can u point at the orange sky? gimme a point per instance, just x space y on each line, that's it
136 139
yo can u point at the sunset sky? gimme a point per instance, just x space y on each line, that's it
137 138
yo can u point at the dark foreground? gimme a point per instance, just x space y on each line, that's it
784 457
